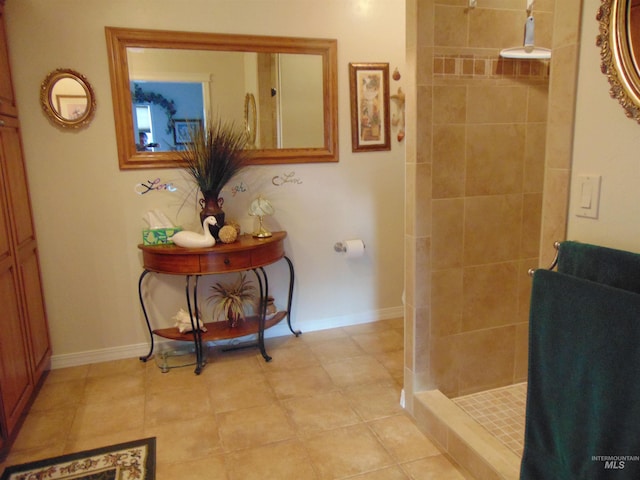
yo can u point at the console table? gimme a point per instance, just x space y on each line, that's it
246 253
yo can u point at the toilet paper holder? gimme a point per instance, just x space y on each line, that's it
341 247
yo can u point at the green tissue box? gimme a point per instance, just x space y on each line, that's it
159 236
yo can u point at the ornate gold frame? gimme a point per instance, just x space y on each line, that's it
616 55
46 101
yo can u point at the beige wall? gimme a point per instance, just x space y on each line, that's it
475 191
607 144
89 219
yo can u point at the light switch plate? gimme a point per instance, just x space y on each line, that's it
588 196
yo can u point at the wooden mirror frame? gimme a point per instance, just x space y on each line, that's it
119 39
47 102
617 56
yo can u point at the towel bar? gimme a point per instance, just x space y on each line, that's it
556 245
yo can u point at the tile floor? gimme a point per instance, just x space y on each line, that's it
326 407
501 411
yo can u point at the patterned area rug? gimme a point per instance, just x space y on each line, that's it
126 461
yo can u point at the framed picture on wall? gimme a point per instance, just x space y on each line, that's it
369 88
71 107
182 129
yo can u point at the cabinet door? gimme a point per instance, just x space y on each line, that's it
17 196
7 102
16 181
16 383
37 326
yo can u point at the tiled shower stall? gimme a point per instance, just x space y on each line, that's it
487 175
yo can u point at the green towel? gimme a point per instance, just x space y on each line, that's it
616 268
583 398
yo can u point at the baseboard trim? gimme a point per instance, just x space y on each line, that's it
280 330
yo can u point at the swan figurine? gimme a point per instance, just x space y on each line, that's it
196 240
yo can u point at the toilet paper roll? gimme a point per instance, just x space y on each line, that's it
353 248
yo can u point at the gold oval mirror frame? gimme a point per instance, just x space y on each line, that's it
67 98
617 59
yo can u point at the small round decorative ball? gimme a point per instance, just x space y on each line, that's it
234 224
228 234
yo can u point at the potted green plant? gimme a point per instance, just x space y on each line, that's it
213 156
230 300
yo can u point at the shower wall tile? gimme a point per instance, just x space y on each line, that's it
424 66
483 32
446 304
449 104
422 370
535 147
531 221
485 358
492 229
566 22
445 356
495 159
497 104
448 233
450 26
520 369
423 124
562 101
537 103
564 64
554 212
410 274
409 333
423 269
448 161
410 200
548 5
425 18
524 289
490 296
423 199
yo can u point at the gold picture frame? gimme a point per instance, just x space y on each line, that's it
369 91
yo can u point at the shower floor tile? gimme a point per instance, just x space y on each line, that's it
501 411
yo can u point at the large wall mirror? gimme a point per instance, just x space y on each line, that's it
619 40
282 90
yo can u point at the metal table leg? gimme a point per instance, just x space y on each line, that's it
146 316
263 288
291 281
195 325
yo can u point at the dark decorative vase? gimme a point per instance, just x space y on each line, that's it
212 206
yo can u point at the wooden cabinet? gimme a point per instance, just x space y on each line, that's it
25 350
7 102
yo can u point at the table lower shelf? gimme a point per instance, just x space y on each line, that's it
222 330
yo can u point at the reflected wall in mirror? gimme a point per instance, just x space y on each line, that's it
618 40
281 90
67 98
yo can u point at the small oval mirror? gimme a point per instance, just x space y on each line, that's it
67 98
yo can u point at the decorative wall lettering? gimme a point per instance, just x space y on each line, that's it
241 187
278 180
151 185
